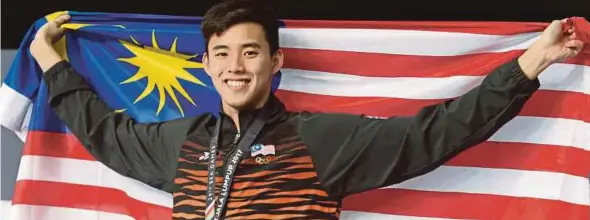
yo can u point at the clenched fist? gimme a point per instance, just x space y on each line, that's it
52 30
554 45
558 44
42 45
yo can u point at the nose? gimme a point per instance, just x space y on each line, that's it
236 64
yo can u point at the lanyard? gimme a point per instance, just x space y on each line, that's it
215 208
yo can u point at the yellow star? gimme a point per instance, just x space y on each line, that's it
162 68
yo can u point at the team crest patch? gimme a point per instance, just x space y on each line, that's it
261 153
260 149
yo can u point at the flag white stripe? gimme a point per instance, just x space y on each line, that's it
62 213
5 209
15 110
561 77
506 182
467 180
551 131
90 173
407 42
355 215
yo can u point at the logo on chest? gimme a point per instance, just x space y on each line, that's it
262 153
205 156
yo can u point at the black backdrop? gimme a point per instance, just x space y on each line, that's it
17 15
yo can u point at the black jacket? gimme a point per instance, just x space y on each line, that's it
319 157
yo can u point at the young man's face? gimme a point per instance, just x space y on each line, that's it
241 66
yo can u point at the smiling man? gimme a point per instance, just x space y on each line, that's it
259 160
241 61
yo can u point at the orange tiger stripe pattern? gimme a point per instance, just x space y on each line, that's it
285 188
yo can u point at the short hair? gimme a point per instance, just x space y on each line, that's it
227 13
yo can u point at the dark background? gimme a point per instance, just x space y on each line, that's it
16 18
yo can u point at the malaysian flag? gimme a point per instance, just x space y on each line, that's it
259 149
535 167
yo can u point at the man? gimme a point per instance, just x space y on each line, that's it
260 161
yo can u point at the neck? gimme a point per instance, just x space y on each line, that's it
234 113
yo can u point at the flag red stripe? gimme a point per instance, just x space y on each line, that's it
544 103
395 65
54 144
45 193
461 205
525 156
470 27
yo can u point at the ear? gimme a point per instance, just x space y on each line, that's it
277 61
206 63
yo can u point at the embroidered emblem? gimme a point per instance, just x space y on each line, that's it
204 157
260 149
263 159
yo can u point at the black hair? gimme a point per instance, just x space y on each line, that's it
230 12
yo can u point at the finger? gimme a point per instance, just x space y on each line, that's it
576 45
568 54
62 19
567 21
572 36
567 26
571 30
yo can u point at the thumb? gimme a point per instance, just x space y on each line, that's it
575 45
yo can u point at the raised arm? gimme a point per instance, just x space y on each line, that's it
354 153
146 152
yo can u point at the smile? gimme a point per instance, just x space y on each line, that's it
237 84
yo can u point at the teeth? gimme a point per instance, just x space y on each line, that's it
236 83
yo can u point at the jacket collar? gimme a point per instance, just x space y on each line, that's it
273 107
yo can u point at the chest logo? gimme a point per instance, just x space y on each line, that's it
204 157
262 152
260 149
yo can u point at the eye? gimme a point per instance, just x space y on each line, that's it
251 53
221 54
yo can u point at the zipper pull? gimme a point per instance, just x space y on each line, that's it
237 138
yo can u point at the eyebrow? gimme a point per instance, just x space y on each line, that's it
246 45
219 47
254 45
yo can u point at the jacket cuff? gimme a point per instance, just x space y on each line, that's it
61 79
51 73
515 72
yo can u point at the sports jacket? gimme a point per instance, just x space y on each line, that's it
318 158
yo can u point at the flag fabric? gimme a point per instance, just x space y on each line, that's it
148 66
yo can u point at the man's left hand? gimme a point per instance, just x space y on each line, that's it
558 43
554 45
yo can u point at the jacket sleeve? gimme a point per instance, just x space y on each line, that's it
146 152
353 153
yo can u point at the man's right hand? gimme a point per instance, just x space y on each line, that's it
42 45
